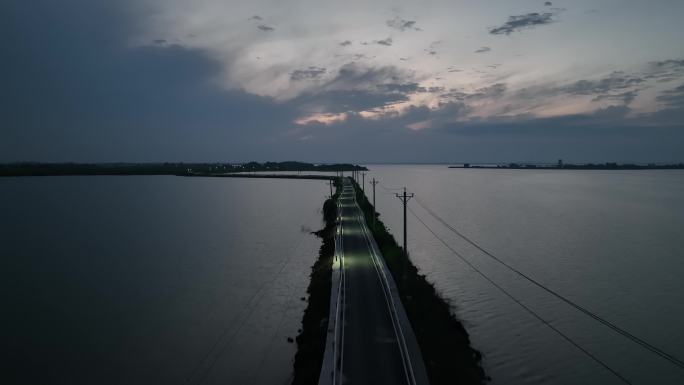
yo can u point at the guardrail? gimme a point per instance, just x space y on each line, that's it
391 306
338 339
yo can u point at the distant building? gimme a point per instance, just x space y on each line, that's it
560 163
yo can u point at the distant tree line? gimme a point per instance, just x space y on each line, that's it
47 169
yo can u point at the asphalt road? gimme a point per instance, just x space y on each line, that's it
371 352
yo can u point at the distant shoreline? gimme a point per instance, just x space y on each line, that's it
177 169
586 166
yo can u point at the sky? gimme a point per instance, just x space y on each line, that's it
342 81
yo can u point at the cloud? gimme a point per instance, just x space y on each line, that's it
673 98
491 92
386 42
404 88
521 22
356 88
112 93
617 86
106 100
353 75
345 43
665 70
256 17
483 50
670 63
626 98
616 81
548 3
401 24
309 73
265 28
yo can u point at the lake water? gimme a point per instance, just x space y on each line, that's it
611 241
154 280
139 280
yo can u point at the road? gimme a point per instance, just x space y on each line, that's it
373 340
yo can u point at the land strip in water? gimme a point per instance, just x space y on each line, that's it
569 166
445 345
179 169
312 338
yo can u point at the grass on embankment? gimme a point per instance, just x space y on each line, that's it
311 339
444 342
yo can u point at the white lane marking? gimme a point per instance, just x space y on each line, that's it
401 340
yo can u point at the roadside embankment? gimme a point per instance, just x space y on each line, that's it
312 338
444 343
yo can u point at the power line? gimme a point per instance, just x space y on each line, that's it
617 329
509 295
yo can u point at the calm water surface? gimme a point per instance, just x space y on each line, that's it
138 280
151 280
612 241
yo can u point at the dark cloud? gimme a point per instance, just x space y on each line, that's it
521 22
665 70
360 88
265 28
617 86
159 41
355 76
673 98
607 86
405 88
336 101
452 137
671 63
309 73
387 42
345 43
483 50
625 98
548 3
256 17
361 56
80 92
490 92
401 24
432 49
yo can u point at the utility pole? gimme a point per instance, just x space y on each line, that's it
331 183
374 182
404 198
363 182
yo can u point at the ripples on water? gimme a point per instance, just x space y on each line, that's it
151 280
612 241
142 280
